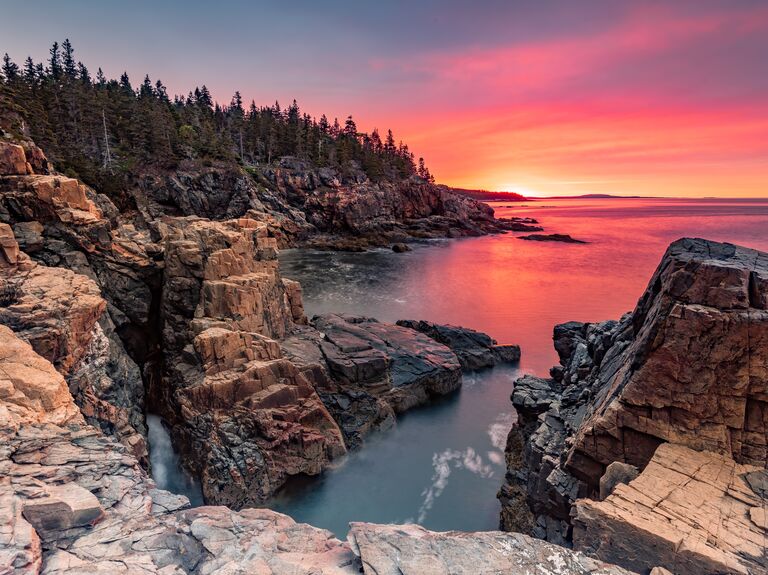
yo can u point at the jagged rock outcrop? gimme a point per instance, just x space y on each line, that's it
31 390
370 371
350 212
246 417
474 349
412 550
61 314
688 366
690 512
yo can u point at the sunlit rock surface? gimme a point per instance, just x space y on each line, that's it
31 390
689 511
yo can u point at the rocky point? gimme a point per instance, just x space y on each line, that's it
687 368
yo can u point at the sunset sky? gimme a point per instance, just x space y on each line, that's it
541 97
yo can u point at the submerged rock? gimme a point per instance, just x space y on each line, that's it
565 238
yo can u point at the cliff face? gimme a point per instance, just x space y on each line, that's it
161 309
317 207
254 393
687 367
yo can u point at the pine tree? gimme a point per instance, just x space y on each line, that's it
10 69
68 60
54 63
104 131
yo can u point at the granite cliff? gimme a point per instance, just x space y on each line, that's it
671 399
160 310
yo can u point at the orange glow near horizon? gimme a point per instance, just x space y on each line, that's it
633 110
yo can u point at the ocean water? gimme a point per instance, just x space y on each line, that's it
443 464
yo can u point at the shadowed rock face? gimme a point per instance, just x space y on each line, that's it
688 366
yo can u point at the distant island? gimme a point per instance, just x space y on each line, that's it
486 196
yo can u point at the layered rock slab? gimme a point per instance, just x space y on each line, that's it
690 512
475 350
412 550
368 371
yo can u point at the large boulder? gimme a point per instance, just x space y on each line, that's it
689 366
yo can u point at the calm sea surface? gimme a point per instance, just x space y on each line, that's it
443 464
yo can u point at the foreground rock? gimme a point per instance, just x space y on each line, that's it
117 522
412 550
108 517
370 371
688 366
689 511
474 349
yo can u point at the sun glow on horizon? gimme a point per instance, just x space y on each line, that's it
518 189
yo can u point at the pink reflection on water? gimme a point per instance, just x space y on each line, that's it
518 290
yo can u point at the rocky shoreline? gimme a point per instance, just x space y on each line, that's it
176 305
671 400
